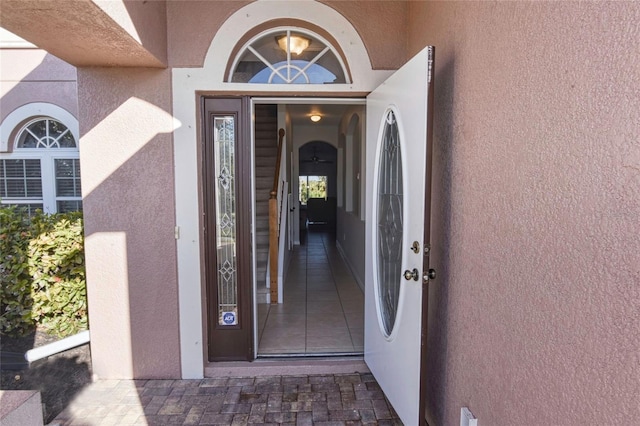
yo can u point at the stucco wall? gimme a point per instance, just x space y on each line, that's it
534 316
128 180
193 24
33 75
381 25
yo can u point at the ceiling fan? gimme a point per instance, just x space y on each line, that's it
315 159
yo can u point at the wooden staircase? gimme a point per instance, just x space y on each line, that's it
266 153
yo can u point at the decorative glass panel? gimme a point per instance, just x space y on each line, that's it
288 56
225 199
20 179
46 133
389 223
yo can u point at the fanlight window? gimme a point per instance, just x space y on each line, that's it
288 56
43 172
46 133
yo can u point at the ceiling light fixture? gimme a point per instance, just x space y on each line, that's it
298 44
315 117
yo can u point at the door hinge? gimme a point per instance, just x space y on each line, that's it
176 232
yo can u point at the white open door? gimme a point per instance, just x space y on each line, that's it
398 188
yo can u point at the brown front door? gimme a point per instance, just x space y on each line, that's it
227 220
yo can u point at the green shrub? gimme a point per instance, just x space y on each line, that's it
56 266
46 273
15 282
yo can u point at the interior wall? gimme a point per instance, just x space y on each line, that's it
126 158
350 226
536 196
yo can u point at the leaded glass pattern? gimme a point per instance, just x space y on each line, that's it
225 200
389 223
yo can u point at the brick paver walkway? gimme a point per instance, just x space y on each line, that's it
349 399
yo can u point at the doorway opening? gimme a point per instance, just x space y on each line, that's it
322 309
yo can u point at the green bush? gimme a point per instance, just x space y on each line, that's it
43 279
15 288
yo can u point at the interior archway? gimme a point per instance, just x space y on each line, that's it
318 183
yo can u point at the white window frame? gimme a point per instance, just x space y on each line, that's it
10 131
328 48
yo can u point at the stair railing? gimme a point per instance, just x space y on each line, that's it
274 223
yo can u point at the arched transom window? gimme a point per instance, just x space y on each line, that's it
288 55
45 133
43 171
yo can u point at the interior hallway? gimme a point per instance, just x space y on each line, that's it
323 309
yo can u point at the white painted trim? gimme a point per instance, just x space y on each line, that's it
185 83
31 111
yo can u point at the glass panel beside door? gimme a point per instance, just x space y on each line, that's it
227 194
225 200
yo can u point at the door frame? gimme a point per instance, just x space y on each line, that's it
285 99
233 342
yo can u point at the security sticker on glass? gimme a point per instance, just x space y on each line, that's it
229 318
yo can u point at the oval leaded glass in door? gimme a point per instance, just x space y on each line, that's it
389 223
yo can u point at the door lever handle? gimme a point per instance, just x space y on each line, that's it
411 275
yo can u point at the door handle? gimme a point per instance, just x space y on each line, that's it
411 275
429 275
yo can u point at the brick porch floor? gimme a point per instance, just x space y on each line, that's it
328 399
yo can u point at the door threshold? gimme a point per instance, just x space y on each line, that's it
302 355
287 367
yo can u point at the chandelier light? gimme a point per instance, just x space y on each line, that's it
298 44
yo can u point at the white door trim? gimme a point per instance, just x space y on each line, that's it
188 191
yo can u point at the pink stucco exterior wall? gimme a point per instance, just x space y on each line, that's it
192 26
126 158
32 75
534 316
127 166
381 25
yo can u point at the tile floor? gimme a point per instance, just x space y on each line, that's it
323 309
